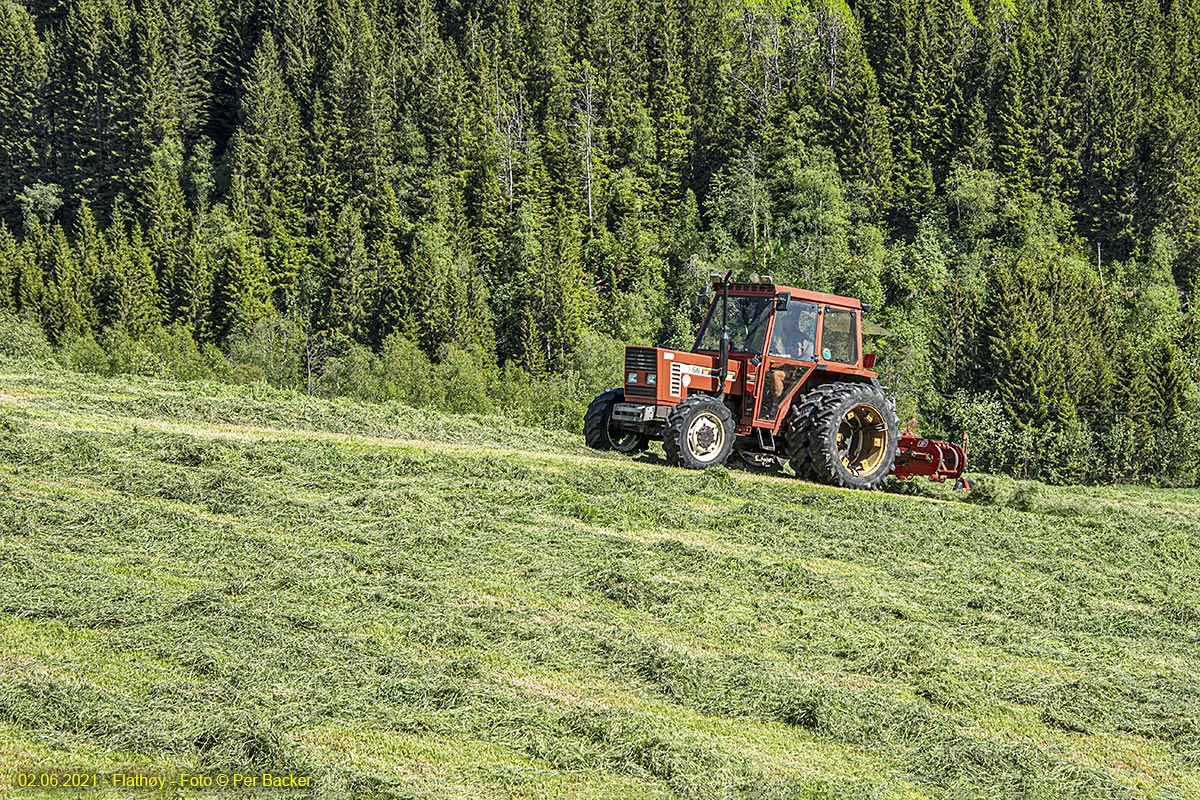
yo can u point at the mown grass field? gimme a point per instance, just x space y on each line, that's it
397 604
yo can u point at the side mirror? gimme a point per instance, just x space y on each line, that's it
781 301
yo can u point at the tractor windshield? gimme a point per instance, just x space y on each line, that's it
747 325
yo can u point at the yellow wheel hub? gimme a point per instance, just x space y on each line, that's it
862 439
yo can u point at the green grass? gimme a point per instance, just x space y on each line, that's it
398 604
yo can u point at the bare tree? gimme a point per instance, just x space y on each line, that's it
831 28
510 132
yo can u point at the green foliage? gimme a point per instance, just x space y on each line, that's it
353 372
40 203
22 340
972 202
181 359
85 354
22 75
274 346
464 381
990 436
130 356
1016 190
408 373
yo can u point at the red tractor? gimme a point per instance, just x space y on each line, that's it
777 374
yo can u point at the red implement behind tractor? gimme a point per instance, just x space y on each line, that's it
936 460
779 375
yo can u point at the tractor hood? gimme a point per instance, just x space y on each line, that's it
665 377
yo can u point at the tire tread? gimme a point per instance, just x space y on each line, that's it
800 422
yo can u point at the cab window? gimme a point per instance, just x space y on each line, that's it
795 332
748 318
839 336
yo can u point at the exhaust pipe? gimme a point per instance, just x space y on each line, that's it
724 357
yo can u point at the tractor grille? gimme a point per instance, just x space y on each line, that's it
641 359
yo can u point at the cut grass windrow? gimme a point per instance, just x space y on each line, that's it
404 605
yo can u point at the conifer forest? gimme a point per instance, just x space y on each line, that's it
473 205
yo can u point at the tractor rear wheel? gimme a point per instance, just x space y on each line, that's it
598 429
852 435
798 424
699 433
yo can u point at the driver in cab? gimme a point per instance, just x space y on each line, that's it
792 338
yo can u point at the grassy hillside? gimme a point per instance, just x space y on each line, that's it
399 605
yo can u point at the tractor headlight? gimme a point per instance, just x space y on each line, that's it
631 377
652 379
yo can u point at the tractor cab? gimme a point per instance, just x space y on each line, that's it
780 338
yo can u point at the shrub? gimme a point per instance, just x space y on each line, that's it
169 352
560 401
242 374
177 351
85 354
1171 449
216 362
407 374
127 356
513 390
275 345
463 377
598 362
990 435
355 372
22 339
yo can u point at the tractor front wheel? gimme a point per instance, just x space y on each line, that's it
699 433
598 429
852 435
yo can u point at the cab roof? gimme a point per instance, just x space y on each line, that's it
803 295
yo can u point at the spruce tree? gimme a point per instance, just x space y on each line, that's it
268 165
1024 353
22 75
127 290
10 254
349 279
243 284
92 103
